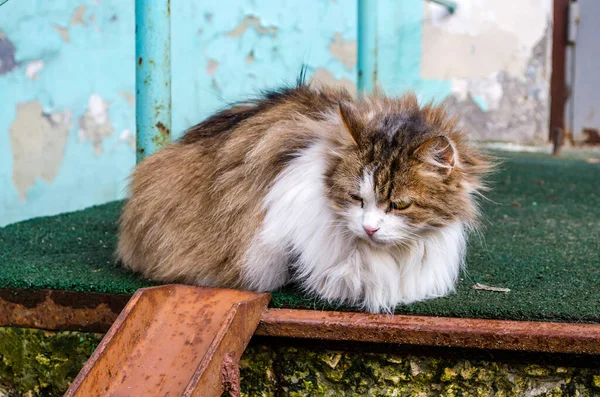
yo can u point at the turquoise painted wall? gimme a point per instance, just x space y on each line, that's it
67 80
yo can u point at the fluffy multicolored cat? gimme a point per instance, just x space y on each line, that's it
361 202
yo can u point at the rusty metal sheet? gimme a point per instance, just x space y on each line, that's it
432 331
60 310
173 340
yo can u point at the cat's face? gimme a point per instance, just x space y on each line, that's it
400 176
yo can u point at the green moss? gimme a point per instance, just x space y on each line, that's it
304 372
448 375
536 370
37 363
596 381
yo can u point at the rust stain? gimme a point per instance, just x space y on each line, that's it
95 312
230 373
163 129
163 137
432 331
77 16
60 310
252 22
211 67
591 136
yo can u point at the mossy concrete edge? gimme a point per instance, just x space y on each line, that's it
42 363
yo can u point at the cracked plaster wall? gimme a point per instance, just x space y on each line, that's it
496 55
76 58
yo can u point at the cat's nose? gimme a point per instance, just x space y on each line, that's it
370 230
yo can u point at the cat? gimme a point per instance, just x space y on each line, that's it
362 202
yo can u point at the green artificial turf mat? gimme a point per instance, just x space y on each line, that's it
542 241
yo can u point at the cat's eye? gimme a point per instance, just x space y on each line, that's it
358 199
400 205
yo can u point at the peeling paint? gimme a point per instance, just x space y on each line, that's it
77 16
481 37
323 76
256 46
487 92
7 55
128 137
250 58
94 124
503 107
63 32
344 50
497 64
33 68
128 97
38 144
252 22
211 67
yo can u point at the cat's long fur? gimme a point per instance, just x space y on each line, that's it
290 183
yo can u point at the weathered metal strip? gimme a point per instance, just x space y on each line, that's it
60 310
152 75
96 312
173 340
558 86
432 331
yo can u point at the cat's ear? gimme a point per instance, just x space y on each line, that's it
351 121
439 152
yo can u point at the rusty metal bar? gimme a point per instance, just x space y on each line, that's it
558 86
173 340
367 46
152 75
60 310
432 331
69 310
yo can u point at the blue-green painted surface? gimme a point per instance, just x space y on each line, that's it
221 51
399 64
152 76
367 46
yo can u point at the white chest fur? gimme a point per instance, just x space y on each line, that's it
334 263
